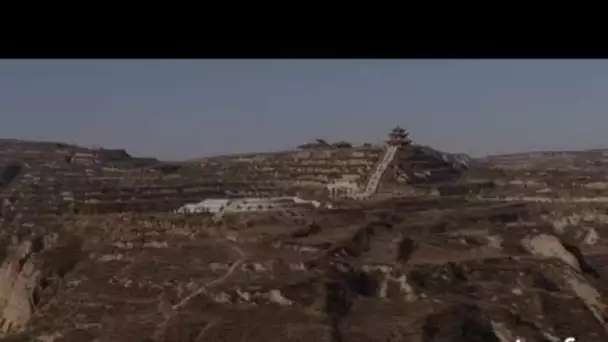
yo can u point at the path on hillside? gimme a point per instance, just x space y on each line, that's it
374 180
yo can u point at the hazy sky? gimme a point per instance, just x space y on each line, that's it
188 108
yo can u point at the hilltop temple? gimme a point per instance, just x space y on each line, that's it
398 136
349 188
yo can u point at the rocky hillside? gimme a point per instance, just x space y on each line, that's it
409 270
90 250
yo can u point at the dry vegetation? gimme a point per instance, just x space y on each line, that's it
91 251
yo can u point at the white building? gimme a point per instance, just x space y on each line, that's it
342 188
238 205
206 206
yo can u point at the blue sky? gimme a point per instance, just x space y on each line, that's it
188 108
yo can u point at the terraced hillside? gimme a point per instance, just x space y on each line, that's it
443 250
571 176
310 169
55 178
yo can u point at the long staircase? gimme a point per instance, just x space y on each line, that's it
374 180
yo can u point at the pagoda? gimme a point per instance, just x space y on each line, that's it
398 136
